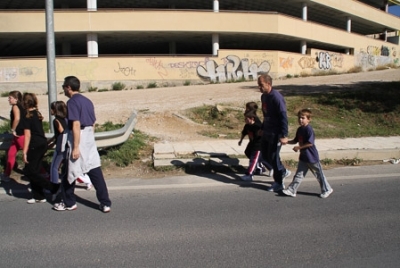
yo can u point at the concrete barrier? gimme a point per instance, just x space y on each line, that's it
103 139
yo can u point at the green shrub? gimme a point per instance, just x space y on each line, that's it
92 89
117 86
152 85
186 83
102 89
140 87
124 154
5 94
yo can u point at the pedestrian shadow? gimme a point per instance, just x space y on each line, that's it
220 167
16 189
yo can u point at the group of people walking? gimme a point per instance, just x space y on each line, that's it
76 154
75 151
267 137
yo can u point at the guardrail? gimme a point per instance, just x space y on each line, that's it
103 139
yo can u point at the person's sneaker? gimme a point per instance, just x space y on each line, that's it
105 208
326 194
62 207
246 177
89 186
275 187
34 201
288 193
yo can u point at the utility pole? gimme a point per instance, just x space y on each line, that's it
51 57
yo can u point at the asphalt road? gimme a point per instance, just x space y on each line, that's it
212 220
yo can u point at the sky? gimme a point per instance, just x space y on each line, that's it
395 10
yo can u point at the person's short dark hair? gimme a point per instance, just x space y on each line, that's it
251 106
305 112
266 78
73 82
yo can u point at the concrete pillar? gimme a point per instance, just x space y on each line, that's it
348 24
91 5
385 35
92 46
66 48
347 51
215 44
303 45
172 48
385 6
216 6
304 8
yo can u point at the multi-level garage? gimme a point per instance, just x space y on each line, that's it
152 39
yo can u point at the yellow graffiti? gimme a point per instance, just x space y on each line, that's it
373 50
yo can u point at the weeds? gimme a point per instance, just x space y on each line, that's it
5 94
118 86
152 85
92 89
139 87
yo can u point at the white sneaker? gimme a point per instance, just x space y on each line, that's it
288 193
246 177
105 209
34 201
326 194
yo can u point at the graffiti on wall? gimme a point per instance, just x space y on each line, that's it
307 62
328 60
125 70
376 56
286 63
378 51
159 66
9 74
233 68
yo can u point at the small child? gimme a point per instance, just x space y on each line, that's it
59 140
253 149
262 165
308 159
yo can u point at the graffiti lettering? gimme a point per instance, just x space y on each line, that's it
373 50
9 74
125 70
28 71
324 60
385 51
307 62
233 69
158 65
286 63
188 64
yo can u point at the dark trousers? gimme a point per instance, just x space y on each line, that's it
99 184
270 150
32 171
